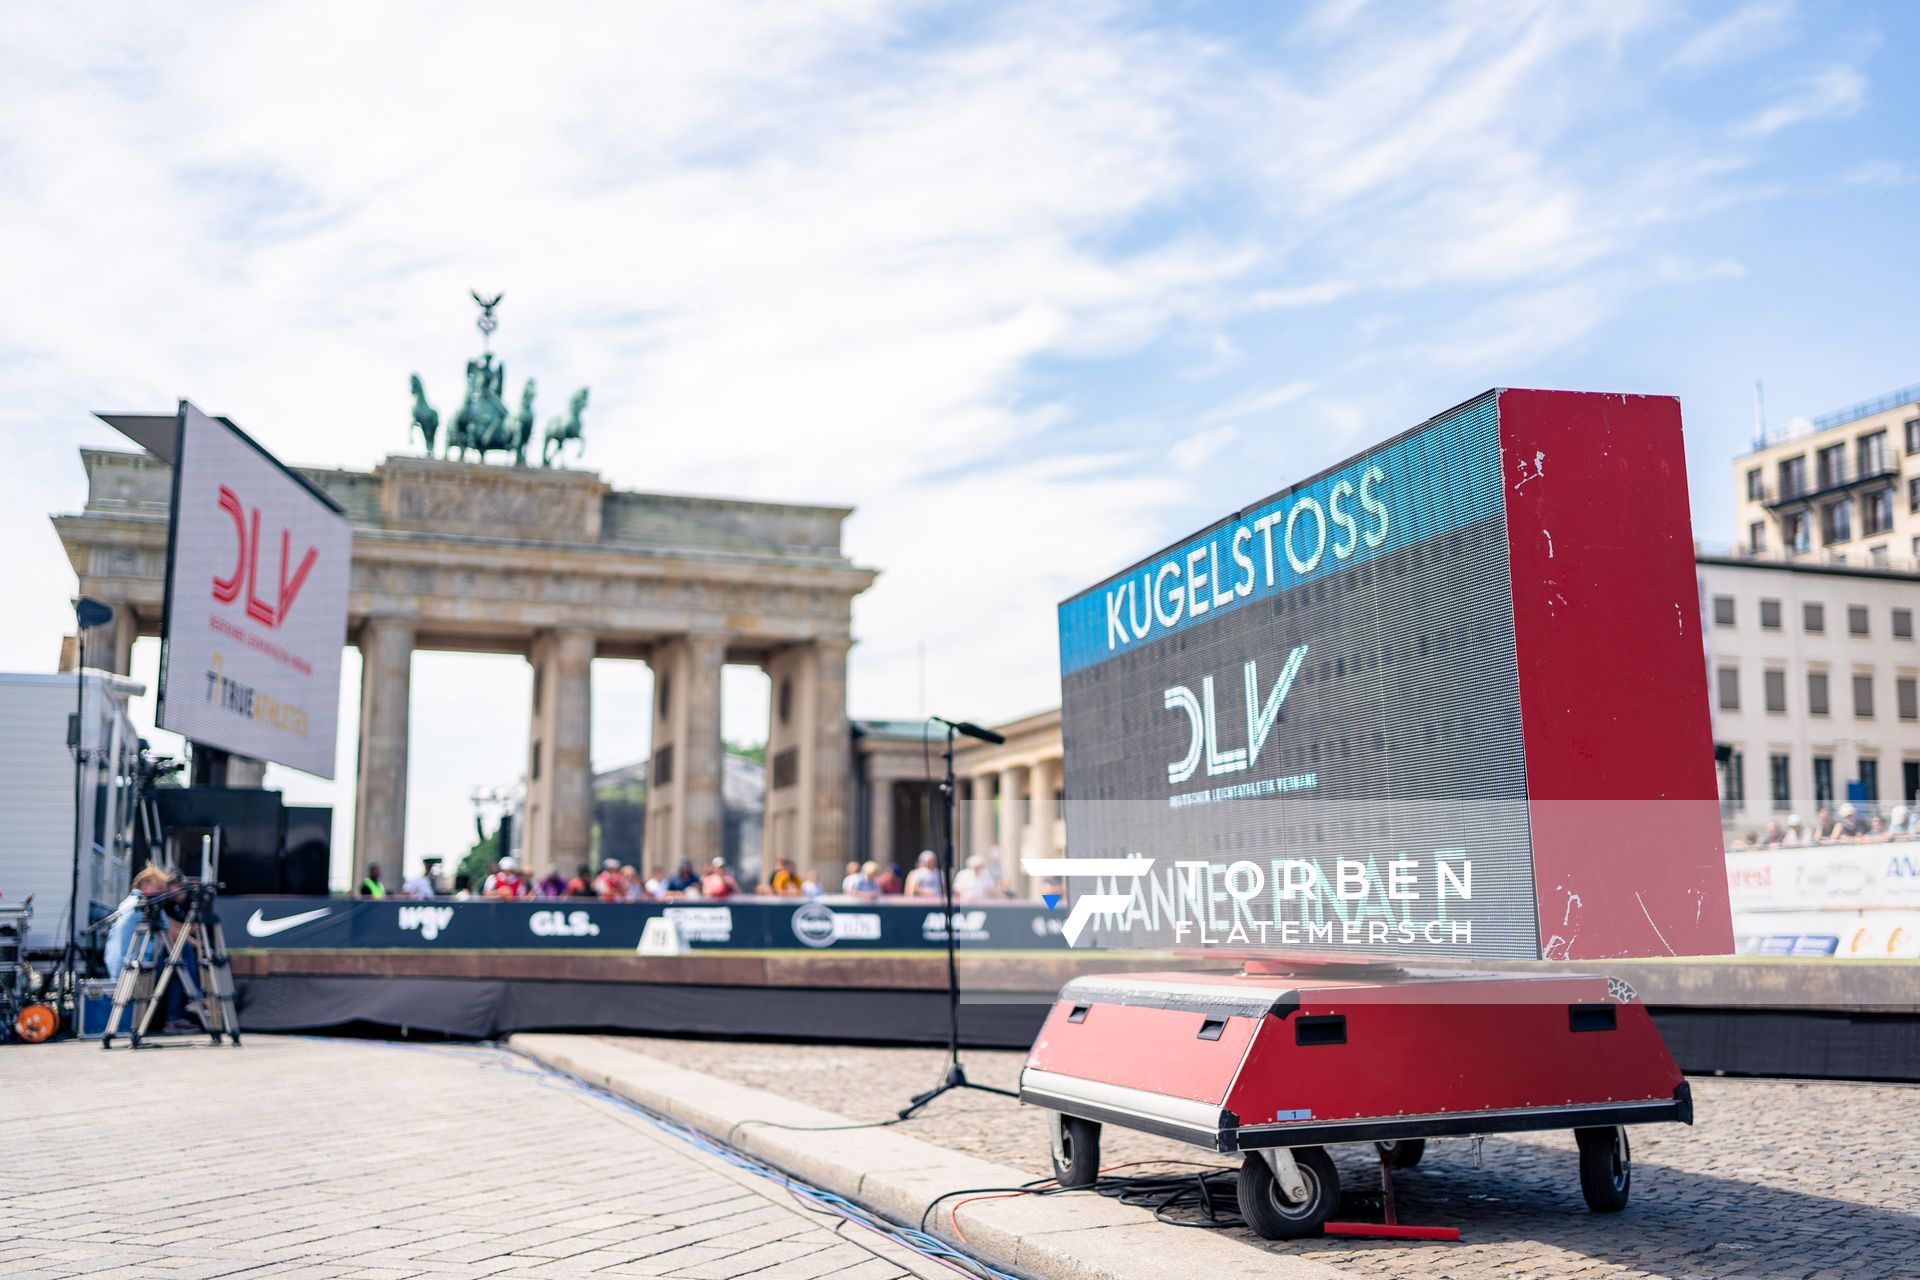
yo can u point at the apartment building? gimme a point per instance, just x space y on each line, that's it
1814 677
1841 489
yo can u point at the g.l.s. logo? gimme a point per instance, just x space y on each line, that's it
246 565
1205 735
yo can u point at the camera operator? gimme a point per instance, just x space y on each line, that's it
168 887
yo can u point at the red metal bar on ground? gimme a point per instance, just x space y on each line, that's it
1391 1231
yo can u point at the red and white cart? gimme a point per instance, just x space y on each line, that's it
1282 1065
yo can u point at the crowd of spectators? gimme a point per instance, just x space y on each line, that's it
1850 824
623 882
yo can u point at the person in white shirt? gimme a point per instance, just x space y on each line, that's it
924 880
421 885
973 882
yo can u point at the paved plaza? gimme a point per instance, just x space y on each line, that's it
360 1160
1775 1179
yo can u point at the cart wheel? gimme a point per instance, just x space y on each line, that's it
1406 1152
35 1023
1266 1207
1606 1168
1077 1162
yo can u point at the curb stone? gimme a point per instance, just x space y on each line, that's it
1060 1238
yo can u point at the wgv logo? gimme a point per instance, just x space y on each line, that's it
1261 716
563 924
968 926
428 922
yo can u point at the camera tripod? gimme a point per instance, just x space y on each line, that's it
154 963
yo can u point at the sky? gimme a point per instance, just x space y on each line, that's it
1036 288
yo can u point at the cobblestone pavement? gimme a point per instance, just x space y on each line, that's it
1775 1179
337 1158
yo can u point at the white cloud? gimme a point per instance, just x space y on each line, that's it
1830 94
1751 29
1192 453
1251 404
1881 173
1306 295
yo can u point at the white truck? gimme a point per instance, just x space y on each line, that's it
38 783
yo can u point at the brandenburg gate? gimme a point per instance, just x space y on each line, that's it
558 567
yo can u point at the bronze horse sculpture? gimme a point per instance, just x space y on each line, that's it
426 418
561 430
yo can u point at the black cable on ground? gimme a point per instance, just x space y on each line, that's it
809 1128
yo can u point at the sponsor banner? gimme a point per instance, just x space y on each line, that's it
1848 876
256 615
750 924
1852 935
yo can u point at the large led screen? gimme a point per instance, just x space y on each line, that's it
257 575
1307 716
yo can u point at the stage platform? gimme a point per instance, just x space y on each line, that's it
1777 1017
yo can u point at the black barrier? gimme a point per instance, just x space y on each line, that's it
737 924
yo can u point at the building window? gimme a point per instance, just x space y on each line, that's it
1910 780
1903 624
1776 688
1863 697
1757 536
1913 494
1871 450
1913 435
1756 488
534 772
1876 512
1779 782
1797 533
1857 619
1869 780
1830 464
1822 781
1877 556
1816 693
1813 617
1836 522
1723 611
1793 476
1906 692
1729 678
1734 799
1770 614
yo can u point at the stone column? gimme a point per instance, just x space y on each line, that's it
980 816
705 814
380 808
880 820
1040 833
831 777
110 647
810 759
559 832
1013 786
685 817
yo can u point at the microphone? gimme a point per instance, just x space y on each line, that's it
972 730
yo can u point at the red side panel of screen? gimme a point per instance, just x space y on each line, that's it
1613 688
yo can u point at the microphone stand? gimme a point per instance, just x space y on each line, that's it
956 1076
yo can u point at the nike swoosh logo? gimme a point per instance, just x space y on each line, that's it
260 928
